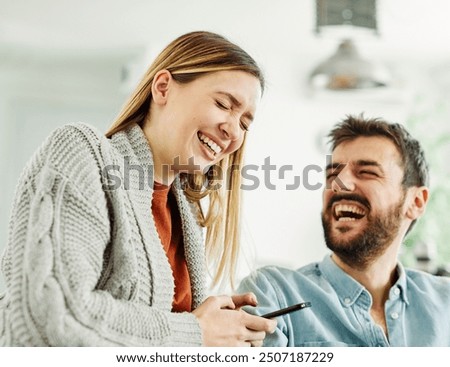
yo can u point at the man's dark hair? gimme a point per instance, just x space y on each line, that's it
414 164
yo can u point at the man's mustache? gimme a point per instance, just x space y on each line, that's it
350 197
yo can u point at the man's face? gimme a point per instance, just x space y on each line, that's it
363 203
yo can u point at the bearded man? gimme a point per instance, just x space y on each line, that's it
361 295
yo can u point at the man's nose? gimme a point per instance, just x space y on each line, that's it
344 181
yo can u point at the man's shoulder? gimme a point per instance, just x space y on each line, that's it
283 274
426 281
422 276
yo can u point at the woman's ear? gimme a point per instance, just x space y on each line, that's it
418 202
160 86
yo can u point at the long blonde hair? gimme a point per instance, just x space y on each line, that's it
187 58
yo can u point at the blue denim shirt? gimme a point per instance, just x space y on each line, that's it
417 311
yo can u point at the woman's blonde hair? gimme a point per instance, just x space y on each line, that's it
187 58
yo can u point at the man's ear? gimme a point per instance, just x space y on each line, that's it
418 202
160 86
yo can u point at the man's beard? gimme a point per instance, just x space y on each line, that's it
361 250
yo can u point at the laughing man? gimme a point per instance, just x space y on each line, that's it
361 295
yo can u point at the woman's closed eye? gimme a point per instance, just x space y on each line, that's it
222 105
244 125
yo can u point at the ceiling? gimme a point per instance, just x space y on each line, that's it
113 27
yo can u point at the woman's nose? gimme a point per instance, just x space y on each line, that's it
231 129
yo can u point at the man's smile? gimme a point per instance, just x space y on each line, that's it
345 212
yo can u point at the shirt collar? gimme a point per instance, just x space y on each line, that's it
400 284
348 289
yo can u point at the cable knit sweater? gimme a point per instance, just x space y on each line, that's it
84 265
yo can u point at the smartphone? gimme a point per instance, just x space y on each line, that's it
283 311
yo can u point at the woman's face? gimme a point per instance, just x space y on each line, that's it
192 126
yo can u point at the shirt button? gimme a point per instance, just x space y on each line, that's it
394 315
397 291
347 301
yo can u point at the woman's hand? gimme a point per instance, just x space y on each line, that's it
244 299
223 323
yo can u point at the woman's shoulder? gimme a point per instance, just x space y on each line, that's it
74 150
74 134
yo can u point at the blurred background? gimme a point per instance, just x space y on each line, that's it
65 61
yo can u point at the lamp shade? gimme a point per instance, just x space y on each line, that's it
346 69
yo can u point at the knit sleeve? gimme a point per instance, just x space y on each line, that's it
56 251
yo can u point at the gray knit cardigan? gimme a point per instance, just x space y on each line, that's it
84 265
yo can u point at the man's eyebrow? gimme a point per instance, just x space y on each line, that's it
334 165
365 162
359 163
236 102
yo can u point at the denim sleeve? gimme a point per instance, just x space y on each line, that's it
262 285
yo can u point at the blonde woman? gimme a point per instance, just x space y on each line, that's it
105 244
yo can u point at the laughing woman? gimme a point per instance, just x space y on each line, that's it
105 244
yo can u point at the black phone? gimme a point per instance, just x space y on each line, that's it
283 311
